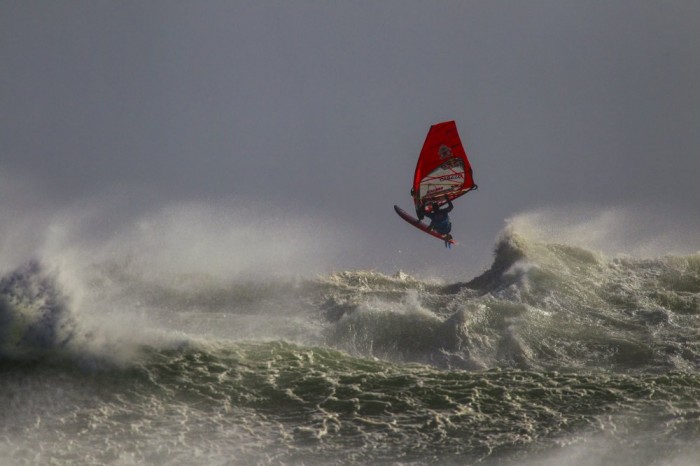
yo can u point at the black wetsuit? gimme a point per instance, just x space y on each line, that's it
439 219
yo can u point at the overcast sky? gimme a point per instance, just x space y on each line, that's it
321 107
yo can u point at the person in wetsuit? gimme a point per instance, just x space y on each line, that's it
439 218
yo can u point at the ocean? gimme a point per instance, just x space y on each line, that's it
554 355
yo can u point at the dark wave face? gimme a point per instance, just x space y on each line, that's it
555 355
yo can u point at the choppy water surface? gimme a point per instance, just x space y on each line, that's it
555 355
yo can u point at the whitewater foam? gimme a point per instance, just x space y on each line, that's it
557 353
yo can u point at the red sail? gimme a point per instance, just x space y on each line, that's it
443 168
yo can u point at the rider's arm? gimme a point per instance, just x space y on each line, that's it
449 205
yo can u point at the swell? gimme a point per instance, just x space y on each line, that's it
553 346
315 405
540 306
547 306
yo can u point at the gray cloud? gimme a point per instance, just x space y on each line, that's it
323 107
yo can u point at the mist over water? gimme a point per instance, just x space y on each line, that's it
184 336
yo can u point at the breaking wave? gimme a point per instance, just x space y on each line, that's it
554 350
539 306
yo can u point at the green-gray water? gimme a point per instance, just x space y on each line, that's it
555 355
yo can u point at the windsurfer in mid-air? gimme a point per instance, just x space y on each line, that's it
439 219
443 174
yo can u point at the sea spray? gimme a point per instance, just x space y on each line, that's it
34 316
557 354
